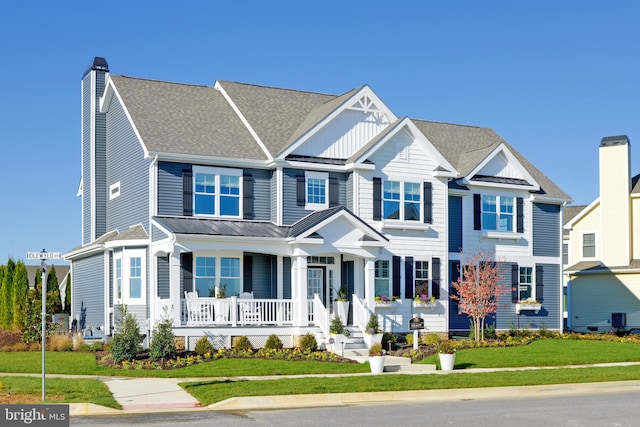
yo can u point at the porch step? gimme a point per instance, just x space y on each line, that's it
391 363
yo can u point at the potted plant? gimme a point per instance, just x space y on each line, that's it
372 334
447 354
384 301
338 334
341 304
221 308
423 300
376 359
528 304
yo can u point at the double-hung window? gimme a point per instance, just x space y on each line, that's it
212 272
316 189
526 289
217 191
205 277
129 276
381 278
422 278
497 213
589 245
401 200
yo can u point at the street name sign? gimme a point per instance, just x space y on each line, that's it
44 255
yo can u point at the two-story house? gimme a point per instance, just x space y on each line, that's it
602 264
279 198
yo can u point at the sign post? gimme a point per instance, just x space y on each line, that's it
416 324
43 257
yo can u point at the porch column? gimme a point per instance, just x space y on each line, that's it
369 281
279 277
299 291
174 288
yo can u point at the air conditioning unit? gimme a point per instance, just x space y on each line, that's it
618 320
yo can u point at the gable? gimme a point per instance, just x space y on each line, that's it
358 119
501 168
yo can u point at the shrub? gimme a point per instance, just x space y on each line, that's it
308 343
163 344
372 326
204 346
409 339
388 340
273 343
59 341
126 340
431 339
336 327
243 344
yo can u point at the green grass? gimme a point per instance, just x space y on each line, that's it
85 364
212 392
548 352
67 390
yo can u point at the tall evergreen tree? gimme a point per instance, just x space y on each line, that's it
67 300
54 303
6 308
19 296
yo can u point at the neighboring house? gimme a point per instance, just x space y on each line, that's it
281 197
603 248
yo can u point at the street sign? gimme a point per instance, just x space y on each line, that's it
415 324
44 255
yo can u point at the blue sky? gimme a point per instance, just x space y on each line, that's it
550 77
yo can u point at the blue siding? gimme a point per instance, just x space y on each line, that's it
349 192
126 164
546 230
457 322
274 197
170 188
86 160
292 212
261 193
263 280
286 278
455 224
89 291
101 185
163 277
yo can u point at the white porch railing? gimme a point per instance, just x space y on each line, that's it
232 311
361 313
321 315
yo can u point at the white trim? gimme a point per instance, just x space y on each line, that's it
501 235
114 190
217 172
595 244
511 159
127 255
322 176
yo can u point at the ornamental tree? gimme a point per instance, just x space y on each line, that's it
479 289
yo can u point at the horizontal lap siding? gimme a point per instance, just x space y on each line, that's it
128 166
274 197
163 277
546 230
261 193
293 212
86 160
170 188
455 224
262 285
89 291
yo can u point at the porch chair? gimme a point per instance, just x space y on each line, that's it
197 312
249 310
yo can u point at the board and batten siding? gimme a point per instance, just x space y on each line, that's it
455 224
546 229
291 211
127 165
89 291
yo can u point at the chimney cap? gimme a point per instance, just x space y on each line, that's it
609 141
97 64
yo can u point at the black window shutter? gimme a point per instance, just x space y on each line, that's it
435 278
301 196
455 275
408 277
247 196
477 212
333 191
396 276
377 199
539 282
187 192
427 190
515 282
247 280
186 265
519 215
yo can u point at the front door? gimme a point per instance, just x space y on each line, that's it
316 283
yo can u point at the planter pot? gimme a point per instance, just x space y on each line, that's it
377 364
424 304
371 339
341 309
447 361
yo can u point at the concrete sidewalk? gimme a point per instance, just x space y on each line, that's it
138 395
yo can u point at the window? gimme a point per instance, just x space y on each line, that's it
206 277
589 245
114 190
401 200
118 277
129 276
422 278
497 213
217 191
382 278
565 253
316 190
525 289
